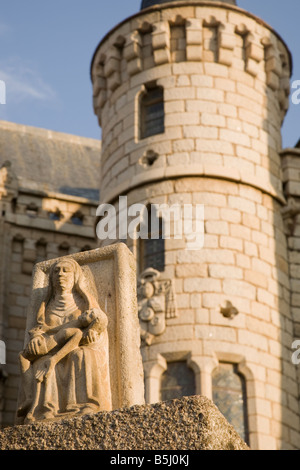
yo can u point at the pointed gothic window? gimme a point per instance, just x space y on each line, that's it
177 381
152 115
229 394
41 250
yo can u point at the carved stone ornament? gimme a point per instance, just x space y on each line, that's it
229 311
156 303
81 351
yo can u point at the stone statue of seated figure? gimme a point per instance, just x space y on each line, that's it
65 365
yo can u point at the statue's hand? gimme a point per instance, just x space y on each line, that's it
91 336
35 346
45 369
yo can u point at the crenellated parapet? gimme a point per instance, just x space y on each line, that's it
224 74
190 34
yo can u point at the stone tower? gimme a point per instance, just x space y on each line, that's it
191 96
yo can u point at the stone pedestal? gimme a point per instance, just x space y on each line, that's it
191 423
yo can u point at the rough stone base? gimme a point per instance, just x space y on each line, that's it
191 423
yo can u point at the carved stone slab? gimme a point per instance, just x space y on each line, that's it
110 276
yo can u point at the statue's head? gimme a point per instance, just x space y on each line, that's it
66 274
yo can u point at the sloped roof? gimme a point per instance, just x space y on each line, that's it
51 161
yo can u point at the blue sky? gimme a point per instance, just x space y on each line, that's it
47 47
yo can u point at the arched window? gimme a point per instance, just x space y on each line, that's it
77 218
55 215
151 247
18 245
32 210
152 114
63 249
41 250
177 381
229 394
